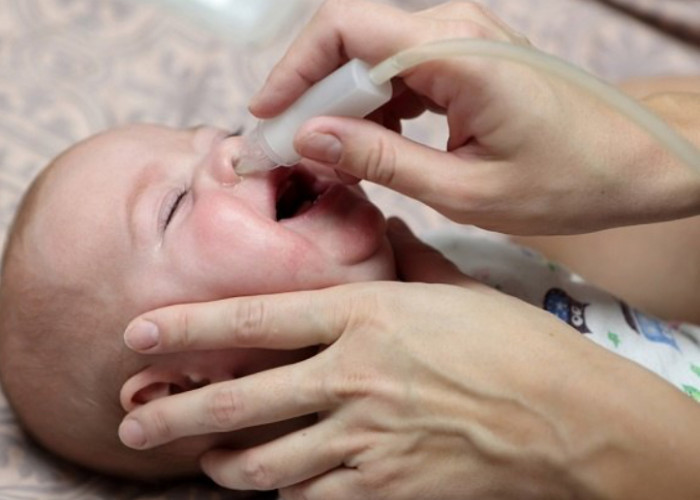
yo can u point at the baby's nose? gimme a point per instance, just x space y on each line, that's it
221 160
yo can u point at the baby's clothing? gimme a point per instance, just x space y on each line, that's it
671 350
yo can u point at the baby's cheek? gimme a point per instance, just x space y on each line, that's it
242 250
218 232
208 224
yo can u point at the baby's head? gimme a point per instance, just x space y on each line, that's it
142 217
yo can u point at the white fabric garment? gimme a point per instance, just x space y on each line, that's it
671 350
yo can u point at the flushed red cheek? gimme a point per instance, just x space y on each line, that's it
237 251
217 231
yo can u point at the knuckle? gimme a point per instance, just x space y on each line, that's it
475 30
181 337
380 480
160 426
456 9
348 313
223 408
350 384
301 73
477 8
332 8
470 19
380 163
256 473
469 9
248 321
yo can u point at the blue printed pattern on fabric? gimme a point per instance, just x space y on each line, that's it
651 328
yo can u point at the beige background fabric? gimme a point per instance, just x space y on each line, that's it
70 68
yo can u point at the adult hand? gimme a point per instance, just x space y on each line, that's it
448 390
527 153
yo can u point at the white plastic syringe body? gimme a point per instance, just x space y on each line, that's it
348 91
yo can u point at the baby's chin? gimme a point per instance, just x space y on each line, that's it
352 235
379 267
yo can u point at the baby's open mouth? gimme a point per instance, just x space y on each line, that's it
297 194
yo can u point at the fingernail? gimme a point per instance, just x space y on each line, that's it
325 148
255 100
141 335
132 434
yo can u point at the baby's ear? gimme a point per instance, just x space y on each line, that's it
156 382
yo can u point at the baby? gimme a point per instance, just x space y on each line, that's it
146 216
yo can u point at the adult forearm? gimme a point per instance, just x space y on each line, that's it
642 442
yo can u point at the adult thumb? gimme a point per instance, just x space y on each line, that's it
367 150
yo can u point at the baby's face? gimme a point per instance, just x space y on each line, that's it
165 209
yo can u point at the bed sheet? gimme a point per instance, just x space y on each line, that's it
70 68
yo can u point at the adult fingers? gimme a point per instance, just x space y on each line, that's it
261 398
446 181
345 29
281 462
339 30
281 321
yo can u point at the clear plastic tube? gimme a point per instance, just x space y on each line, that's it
461 47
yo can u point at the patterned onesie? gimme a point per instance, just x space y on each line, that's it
671 350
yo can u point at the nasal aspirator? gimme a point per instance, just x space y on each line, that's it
348 91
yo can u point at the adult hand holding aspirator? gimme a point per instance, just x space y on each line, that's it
511 166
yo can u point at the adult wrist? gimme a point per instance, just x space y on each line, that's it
643 181
633 435
678 182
